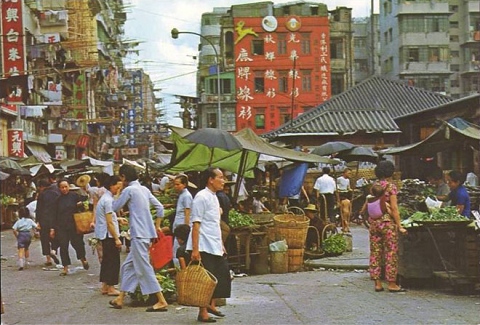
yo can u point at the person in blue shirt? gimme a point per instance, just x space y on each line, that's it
22 230
458 195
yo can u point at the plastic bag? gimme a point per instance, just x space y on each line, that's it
433 204
278 246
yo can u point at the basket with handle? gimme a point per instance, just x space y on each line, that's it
292 228
195 286
318 251
83 221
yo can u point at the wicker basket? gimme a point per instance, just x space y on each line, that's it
83 221
292 228
195 286
315 253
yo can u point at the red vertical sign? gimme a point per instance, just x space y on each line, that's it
15 143
13 47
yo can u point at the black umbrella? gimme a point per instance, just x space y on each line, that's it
332 147
214 138
359 154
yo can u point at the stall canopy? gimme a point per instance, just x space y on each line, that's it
189 156
451 134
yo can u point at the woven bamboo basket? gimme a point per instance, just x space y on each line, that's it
295 259
83 220
292 228
318 251
195 286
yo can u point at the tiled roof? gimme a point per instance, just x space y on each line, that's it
370 106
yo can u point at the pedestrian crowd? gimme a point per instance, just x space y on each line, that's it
200 223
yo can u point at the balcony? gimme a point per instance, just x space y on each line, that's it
423 7
338 64
425 67
207 99
51 18
471 67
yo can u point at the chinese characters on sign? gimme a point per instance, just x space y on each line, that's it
13 47
15 143
277 62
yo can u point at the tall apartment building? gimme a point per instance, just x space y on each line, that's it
432 44
276 61
366 47
62 92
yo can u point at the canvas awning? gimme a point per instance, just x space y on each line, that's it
39 152
452 134
189 156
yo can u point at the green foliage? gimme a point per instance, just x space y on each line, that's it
449 213
335 244
237 219
165 281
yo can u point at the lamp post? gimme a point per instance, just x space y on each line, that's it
175 33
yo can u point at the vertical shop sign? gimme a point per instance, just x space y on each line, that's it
15 143
79 97
13 42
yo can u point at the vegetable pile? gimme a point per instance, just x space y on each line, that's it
335 244
237 219
445 214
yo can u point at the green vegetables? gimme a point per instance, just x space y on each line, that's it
335 244
237 219
441 215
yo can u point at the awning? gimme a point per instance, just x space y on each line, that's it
40 152
456 133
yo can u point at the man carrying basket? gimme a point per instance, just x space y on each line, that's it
205 240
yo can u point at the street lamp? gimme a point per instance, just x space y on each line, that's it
175 33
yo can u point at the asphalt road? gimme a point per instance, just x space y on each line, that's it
34 296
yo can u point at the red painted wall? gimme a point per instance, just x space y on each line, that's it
272 102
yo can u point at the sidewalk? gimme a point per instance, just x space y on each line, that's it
357 259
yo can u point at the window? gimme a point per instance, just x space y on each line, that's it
433 54
423 24
226 86
283 81
336 48
390 35
454 38
454 83
454 24
281 44
212 120
285 115
359 42
413 55
259 81
337 83
453 8
314 10
260 119
455 54
385 37
257 47
454 67
306 80
305 43
361 65
212 83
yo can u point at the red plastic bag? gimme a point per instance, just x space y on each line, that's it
161 251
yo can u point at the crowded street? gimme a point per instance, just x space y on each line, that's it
319 296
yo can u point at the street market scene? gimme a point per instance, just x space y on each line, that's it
311 178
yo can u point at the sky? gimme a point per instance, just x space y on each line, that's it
170 62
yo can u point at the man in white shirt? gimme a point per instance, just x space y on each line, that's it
325 188
344 193
205 240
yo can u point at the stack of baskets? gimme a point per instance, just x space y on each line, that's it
292 228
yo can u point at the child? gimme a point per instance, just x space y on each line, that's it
375 204
181 233
22 229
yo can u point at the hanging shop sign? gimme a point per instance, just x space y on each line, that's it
15 143
269 23
293 23
12 40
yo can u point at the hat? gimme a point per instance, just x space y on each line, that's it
311 207
83 180
73 187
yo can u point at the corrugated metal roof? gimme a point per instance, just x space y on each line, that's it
370 106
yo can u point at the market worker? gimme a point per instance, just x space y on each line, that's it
313 235
458 193
435 178
344 193
45 217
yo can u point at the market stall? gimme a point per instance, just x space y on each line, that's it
441 246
